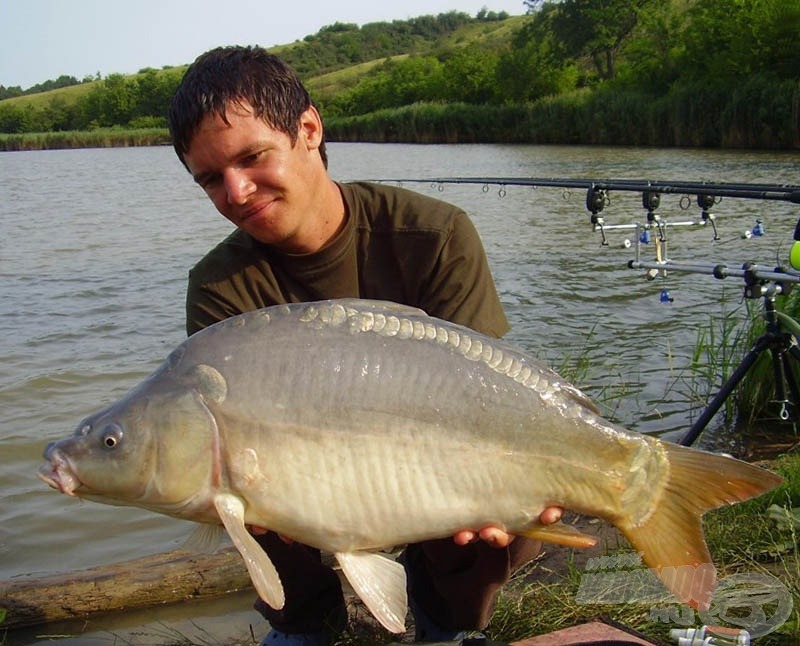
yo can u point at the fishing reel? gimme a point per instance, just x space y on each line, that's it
596 200
705 202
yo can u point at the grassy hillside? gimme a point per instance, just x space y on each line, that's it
325 77
69 95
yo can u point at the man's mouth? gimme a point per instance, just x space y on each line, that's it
255 210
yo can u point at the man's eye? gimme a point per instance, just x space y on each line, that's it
209 182
254 158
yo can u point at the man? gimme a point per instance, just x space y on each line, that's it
245 128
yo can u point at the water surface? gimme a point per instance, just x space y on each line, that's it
96 246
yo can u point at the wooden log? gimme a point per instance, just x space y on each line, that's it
152 580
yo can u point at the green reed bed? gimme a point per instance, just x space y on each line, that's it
98 138
758 113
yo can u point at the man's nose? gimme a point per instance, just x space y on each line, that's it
238 186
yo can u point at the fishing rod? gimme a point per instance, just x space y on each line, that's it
759 279
597 190
781 192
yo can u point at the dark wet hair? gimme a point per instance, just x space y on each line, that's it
227 75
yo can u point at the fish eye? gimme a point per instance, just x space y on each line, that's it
112 436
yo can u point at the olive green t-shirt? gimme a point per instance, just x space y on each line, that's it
396 245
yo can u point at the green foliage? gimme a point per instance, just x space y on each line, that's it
61 81
139 101
341 44
597 29
654 49
642 72
729 39
536 65
10 92
469 76
395 83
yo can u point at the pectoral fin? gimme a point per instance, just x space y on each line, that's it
205 539
262 572
381 584
558 533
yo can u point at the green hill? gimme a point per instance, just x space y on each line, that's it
639 72
338 55
69 95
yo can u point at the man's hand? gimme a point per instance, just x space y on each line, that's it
496 537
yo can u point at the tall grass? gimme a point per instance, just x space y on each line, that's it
719 350
98 138
758 113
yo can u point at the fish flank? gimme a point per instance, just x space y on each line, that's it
328 427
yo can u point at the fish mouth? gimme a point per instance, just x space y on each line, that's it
58 473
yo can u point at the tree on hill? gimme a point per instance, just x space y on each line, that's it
10 92
593 28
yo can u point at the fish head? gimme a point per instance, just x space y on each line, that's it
155 448
107 455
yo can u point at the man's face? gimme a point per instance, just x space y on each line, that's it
255 176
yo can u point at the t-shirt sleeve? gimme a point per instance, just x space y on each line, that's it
461 288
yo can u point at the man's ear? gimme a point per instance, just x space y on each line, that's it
311 131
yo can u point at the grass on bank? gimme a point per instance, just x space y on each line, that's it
67 95
720 348
98 138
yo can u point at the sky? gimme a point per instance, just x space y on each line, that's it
44 39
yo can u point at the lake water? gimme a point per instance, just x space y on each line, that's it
96 246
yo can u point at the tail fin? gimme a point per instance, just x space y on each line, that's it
671 540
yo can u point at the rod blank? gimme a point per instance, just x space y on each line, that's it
781 192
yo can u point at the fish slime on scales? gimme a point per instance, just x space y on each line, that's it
330 422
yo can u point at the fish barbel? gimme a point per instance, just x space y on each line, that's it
356 425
